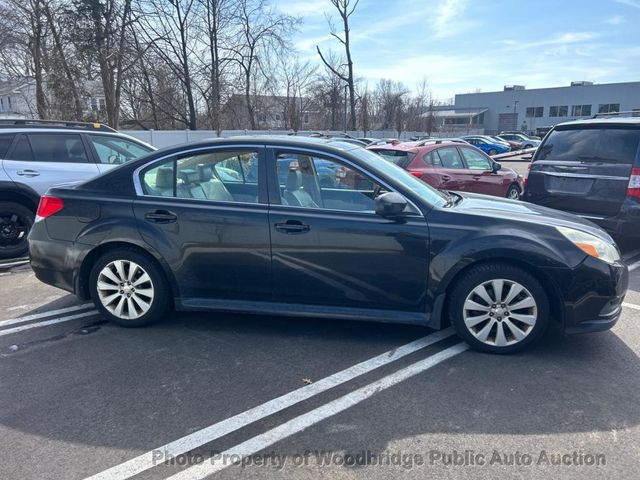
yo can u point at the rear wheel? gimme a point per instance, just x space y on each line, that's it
498 308
528 146
514 192
128 288
15 222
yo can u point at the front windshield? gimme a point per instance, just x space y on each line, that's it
428 193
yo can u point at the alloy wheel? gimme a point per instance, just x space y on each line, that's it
513 194
500 312
125 289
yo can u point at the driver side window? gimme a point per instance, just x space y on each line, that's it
317 182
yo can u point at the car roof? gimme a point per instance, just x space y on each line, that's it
604 121
37 129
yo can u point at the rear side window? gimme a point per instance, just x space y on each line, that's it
5 142
399 157
616 145
59 148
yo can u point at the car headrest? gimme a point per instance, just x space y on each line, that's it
77 150
188 175
164 177
205 173
294 180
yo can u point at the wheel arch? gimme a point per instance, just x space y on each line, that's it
82 280
22 195
547 283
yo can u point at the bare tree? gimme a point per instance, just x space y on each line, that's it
262 31
167 27
295 78
345 10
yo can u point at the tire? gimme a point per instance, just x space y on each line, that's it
493 152
513 192
16 221
484 334
528 146
139 300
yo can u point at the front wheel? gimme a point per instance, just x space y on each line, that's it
128 288
498 308
514 192
493 152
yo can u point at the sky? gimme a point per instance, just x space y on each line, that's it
460 46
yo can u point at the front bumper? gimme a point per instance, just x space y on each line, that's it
592 295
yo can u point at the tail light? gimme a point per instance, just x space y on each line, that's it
526 177
634 184
48 206
416 173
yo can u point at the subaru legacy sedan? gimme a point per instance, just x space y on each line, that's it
175 230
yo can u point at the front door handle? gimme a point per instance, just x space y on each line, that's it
292 227
161 216
28 173
446 178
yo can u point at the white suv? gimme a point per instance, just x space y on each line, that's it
37 154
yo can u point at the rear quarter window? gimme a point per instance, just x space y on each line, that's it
615 145
5 142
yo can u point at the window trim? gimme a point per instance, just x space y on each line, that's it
174 157
273 157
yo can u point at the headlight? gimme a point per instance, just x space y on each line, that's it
591 245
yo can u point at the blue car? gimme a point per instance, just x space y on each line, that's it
487 144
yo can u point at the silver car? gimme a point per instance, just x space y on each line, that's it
35 155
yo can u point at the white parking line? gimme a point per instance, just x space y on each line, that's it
182 445
631 305
29 326
51 313
304 421
633 266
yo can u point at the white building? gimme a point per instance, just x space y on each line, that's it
516 108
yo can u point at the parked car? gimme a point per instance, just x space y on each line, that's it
372 141
165 231
417 138
454 165
591 168
524 134
34 155
513 145
487 144
523 140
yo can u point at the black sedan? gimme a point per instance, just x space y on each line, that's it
216 226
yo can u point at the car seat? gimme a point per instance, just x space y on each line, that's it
294 194
212 186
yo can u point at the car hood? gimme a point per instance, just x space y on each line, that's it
519 211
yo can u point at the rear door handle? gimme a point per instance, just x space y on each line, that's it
28 173
292 227
161 216
446 178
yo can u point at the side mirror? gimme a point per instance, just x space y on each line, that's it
390 205
496 167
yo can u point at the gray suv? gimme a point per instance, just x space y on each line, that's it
35 155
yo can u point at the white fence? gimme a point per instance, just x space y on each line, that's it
166 138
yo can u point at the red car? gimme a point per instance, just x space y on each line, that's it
453 165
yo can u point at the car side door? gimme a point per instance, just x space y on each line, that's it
330 250
41 160
449 172
483 177
209 225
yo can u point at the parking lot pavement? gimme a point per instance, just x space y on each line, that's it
304 399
